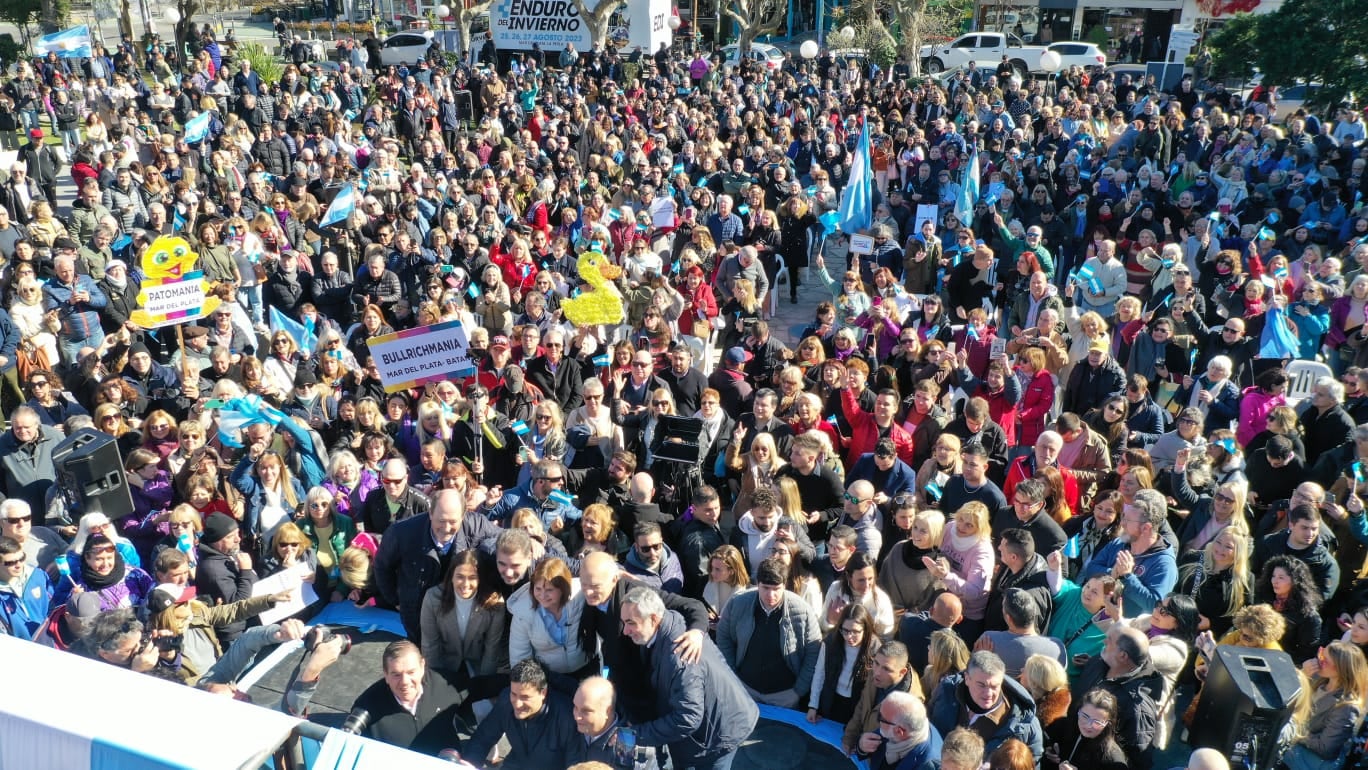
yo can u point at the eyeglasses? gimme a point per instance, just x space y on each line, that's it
1087 720
593 398
1186 421
391 481
1115 408
1232 331
543 417
552 479
103 551
1224 498
323 504
641 363
1163 609
856 631
908 341
13 563
849 498
38 383
660 403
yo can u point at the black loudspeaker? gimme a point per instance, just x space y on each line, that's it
1247 699
90 467
680 444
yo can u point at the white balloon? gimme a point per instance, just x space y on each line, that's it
674 22
808 50
848 32
1050 61
443 11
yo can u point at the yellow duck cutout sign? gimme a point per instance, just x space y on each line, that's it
173 289
602 304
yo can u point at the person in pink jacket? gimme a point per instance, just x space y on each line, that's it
966 563
1267 393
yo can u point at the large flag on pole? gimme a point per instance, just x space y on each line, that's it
969 192
71 43
341 208
857 205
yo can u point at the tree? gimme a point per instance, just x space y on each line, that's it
756 18
598 18
1319 41
20 13
464 16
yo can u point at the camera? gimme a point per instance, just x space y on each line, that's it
356 722
327 636
162 643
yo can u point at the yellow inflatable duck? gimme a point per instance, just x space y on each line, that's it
168 261
602 304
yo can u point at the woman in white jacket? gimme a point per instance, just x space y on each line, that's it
1172 629
546 620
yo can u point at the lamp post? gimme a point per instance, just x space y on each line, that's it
172 16
443 11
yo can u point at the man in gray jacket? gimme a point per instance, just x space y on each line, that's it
770 637
26 459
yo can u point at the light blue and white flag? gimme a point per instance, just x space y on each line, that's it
241 412
71 43
341 207
857 199
303 338
969 192
519 427
197 128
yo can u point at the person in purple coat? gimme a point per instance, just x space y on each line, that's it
102 571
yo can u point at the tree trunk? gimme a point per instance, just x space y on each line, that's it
911 16
126 18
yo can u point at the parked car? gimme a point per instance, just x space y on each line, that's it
983 48
771 56
1077 53
405 47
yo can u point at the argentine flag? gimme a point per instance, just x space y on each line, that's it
304 339
197 128
857 204
71 43
341 208
969 192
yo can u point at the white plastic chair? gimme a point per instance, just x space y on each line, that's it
1303 375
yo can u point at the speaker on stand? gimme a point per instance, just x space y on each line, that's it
90 469
1248 698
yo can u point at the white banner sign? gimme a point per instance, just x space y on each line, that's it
648 25
413 357
517 24
170 299
926 212
861 244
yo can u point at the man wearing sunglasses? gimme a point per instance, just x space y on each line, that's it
41 545
25 592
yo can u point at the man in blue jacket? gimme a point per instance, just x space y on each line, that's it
701 711
1141 559
988 702
77 301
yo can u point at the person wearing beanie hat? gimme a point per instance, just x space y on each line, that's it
161 384
752 632
224 574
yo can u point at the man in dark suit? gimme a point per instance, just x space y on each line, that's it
415 552
605 587
699 708
558 377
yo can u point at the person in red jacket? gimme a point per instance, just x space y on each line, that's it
867 429
1037 398
1046 453
699 304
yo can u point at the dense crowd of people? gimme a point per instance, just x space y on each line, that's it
1064 428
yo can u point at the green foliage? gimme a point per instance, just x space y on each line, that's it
1314 40
1235 48
267 66
20 13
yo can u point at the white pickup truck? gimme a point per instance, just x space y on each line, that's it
986 49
